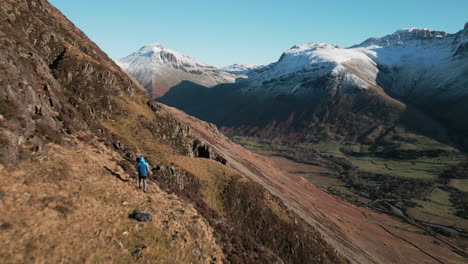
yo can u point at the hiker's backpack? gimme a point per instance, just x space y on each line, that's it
142 169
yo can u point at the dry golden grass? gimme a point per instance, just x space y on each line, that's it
212 173
69 209
129 129
74 52
136 107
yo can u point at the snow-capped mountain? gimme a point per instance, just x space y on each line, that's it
302 63
241 69
409 62
353 89
158 69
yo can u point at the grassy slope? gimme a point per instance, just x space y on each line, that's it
84 200
69 209
129 129
217 184
461 184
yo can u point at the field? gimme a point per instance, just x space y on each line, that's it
364 160
460 184
423 168
363 174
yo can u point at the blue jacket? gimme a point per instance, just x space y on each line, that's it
142 167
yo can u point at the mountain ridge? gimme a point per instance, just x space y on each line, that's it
241 69
415 67
159 68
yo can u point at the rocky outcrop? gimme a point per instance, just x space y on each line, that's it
54 79
61 84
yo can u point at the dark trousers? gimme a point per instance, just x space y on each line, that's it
140 181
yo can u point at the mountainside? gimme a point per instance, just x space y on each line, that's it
433 55
358 233
381 124
240 69
71 126
385 81
158 69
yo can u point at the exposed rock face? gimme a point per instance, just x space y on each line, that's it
42 62
57 82
404 35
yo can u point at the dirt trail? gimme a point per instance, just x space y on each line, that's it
361 235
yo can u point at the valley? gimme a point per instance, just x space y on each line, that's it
380 125
411 188
354 230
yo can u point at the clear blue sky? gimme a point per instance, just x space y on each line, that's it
221 32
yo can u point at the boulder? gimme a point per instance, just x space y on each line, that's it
140 216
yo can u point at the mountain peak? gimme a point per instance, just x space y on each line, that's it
151 49
413 29
308 49
156 45
402 36
311 46
159 69
157 53
415 33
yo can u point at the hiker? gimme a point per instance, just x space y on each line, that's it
143 170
